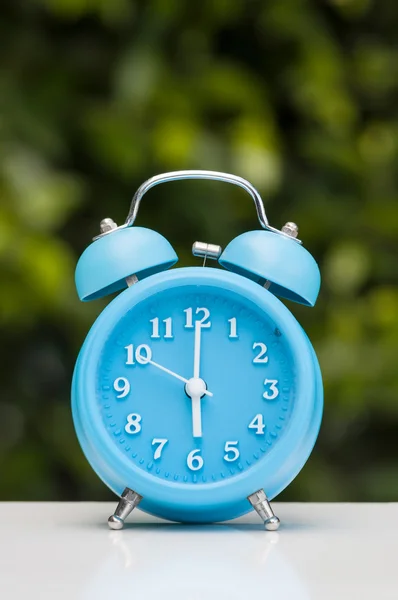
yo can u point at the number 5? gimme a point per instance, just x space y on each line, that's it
231 447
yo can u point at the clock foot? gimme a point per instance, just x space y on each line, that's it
261 505
127 503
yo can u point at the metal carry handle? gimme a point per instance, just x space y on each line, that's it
199 174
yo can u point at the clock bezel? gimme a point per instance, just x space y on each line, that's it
206 501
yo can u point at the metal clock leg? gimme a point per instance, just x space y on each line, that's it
261 505
127 503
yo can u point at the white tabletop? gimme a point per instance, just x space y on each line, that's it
322 551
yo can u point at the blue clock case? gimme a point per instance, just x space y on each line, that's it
219 500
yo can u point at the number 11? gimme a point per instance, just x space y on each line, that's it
168 328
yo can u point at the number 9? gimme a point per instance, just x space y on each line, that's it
122 385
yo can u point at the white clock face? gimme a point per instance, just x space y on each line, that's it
196 384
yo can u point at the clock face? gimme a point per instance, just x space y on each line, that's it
195 384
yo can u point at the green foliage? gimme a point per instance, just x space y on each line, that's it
300 98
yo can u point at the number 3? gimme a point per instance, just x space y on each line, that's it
273 390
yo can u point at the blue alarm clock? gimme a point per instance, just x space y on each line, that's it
196 394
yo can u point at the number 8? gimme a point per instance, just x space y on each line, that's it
133 420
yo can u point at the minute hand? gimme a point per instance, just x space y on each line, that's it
196 358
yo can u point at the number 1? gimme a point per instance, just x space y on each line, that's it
232 328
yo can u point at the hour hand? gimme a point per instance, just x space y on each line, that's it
196 389
196 417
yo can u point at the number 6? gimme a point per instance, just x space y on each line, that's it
194 462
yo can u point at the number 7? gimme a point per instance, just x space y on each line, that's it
158 452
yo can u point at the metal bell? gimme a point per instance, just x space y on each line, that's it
118 254
276 260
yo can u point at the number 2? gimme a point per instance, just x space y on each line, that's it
260 358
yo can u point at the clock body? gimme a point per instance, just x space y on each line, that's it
134 419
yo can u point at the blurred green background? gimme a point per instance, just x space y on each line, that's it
299 97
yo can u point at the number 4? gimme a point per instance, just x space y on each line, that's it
258 424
